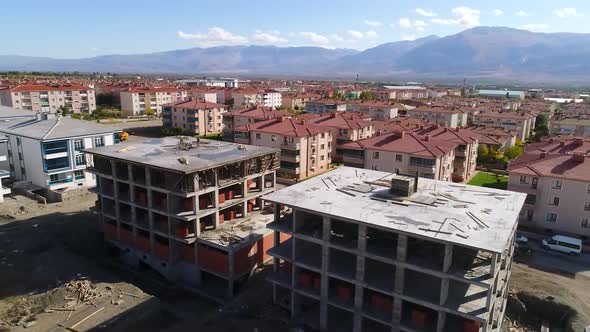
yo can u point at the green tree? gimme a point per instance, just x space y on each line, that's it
541 121
513 152
64 110
366 95
149 112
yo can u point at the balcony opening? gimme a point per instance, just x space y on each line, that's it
108 206
467 298
284 274
207 223
159 201
457 323
122 170
269 180
138 174
230 173
142 241
309 224
344 234
107 187
373 326
342 264
160 223
140 197
162 247
123 191
341 292
309 311
308 281
378 305
422 286
126 234
308 253
379 275
206 179
418 317
339 320
381 243
207 202
184 229
425 253
125 212
254 185
231 194
231 213
471 264
142 218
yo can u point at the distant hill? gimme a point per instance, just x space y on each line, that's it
492 52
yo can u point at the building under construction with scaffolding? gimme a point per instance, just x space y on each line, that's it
190 209
375 251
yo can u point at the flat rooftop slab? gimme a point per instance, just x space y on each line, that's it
166 153
476 217
240 231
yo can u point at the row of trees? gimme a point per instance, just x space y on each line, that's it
493 155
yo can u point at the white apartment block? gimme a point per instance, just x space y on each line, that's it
46 150
195 116
440 116
402 92
325 105
520 122
265 98
374 110
49 97
136 101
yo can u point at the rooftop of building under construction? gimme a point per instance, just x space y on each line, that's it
186 154
477 217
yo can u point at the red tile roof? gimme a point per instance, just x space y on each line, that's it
408 143
153 89
49 87
284 126
456 135
258 113
196 104
338 120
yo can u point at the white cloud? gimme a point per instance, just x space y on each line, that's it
405 22
420 25
425 12
374 24
268 37
215 36
95 49
371 34
566 12
463 16
498 12
535 27
522 13
355 34
315 38
336 37
408 37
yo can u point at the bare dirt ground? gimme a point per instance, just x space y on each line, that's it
44 246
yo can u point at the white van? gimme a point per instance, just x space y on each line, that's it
566 244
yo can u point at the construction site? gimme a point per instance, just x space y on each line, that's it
191 209
375 251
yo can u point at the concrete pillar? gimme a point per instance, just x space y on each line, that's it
442 318
244 194
325 266
295 305
231 273
216 198
397 312
444 291
448 260
402 247
359 276
494 265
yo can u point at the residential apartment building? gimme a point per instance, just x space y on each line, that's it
403 152
49 98
467 142
403 92
305 148
364 256
207 95
195 116
555 175
324 106
345 128
193 210
138 101
46 150
238 118
297 101
443 116
519 122
263 97
501 94
4 167
497 138
373 109
579 127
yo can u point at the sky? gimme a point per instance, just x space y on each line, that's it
74 29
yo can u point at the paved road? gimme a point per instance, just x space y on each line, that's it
552 261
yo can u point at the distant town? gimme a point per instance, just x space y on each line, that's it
365 206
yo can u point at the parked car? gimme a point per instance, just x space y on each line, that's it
561 243
521 238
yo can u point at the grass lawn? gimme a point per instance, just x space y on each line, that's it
485 179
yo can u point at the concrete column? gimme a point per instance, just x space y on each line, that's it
448 260
244 193
295 305
494 265
359 276
442 318
325 266
402 247
444 291
397 312
231 272
216 198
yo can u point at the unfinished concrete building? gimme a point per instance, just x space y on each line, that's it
190 209
375 251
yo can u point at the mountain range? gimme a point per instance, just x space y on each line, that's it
482 52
